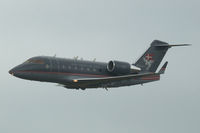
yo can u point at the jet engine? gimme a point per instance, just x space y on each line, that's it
121 68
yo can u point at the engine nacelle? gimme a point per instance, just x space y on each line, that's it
121 68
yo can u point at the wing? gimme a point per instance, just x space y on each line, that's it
96 82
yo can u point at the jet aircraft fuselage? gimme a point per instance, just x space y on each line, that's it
66 71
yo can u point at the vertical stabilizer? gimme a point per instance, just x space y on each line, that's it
152 58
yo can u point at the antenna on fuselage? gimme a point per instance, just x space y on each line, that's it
94 59
54 55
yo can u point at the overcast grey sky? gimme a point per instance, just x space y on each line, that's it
102 29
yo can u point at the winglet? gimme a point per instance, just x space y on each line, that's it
162 70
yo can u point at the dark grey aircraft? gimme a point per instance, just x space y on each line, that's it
79 74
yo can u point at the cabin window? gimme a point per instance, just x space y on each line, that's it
75 67
47 66
69 67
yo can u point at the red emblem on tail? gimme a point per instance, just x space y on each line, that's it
149 57
148 60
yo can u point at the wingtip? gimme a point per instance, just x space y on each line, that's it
165 65
163 68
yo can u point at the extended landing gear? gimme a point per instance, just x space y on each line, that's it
80 88
105 88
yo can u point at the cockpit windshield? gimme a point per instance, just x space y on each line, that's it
35 61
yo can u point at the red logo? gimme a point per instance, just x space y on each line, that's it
149 57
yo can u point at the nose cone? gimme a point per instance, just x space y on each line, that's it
12 72
20 72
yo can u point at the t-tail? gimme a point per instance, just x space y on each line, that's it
152 58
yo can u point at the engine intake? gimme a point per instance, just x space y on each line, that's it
121 68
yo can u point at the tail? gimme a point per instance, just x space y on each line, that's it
152 58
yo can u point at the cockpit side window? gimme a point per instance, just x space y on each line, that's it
35 61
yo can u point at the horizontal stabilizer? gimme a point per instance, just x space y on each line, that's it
171 45
163 68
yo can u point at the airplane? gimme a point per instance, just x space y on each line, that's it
81 74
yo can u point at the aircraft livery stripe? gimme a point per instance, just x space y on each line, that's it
151 78
65 73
